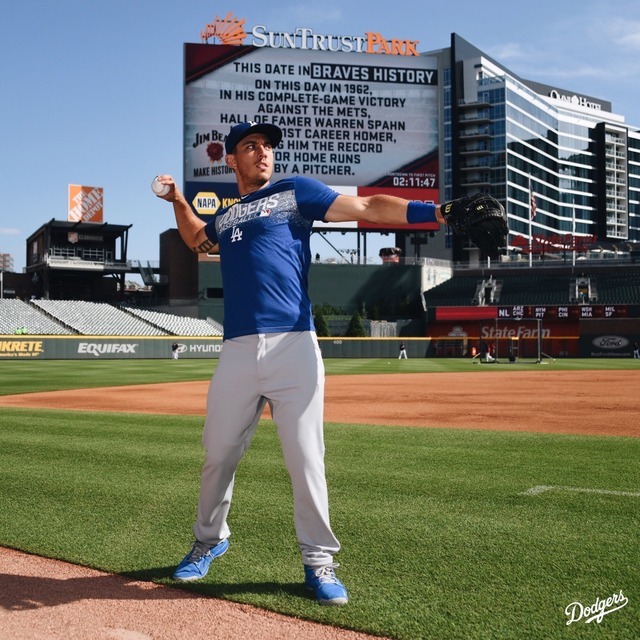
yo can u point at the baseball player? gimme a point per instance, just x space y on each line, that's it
270 351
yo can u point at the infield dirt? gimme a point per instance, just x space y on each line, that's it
573 402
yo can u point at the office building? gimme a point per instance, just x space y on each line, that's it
563 164
6 262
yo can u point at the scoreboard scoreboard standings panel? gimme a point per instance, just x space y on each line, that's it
560 312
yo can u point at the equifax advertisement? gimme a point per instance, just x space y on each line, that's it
350 120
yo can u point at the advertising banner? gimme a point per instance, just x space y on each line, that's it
105 348
358 122
459 339
609 338
85 204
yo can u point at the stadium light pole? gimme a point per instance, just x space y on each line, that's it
573 231
532 215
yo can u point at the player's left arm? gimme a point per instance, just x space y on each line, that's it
382 209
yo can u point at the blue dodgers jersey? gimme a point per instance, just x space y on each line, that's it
265 256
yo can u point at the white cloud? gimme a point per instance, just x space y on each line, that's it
315 14
579 71
508 52
595 48
624 33
9 231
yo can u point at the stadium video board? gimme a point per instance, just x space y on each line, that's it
359 122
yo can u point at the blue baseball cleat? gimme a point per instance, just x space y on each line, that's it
328 589
195 564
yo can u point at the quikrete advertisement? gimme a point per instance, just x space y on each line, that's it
352 120
21 349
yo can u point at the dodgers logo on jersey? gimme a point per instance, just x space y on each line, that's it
242 212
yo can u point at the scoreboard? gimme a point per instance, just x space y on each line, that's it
559 312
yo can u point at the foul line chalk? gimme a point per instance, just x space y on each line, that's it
534 491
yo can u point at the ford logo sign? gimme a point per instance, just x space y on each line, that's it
610 342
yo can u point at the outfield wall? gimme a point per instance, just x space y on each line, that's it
139 347
596 339
104 348
570 331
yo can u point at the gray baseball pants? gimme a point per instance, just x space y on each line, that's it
285 370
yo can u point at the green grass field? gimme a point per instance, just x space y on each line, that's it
440 537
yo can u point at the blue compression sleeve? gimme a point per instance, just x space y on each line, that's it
421 212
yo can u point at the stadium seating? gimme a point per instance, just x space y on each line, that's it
176 325
532 289
96 318
458 291
618 287
16 314
73 317
514 289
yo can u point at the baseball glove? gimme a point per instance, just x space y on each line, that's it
480 217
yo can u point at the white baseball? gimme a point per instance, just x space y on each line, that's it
158 188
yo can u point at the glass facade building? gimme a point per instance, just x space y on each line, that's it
563 165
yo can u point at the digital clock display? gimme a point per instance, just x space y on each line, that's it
415 181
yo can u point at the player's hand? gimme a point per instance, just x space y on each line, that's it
167 181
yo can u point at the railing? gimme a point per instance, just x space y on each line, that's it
519 261
74 262
135 264
550 261
376 261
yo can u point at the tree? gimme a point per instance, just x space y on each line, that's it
356 330
322 329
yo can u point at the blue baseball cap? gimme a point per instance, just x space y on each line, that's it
242 130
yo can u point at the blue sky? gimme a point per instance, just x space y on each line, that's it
92 91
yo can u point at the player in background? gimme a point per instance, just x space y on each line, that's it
270 352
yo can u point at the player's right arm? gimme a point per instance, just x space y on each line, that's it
190 227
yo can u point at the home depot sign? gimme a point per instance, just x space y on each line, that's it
85 204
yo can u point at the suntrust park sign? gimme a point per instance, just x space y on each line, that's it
230 30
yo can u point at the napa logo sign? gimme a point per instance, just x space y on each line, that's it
231 30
